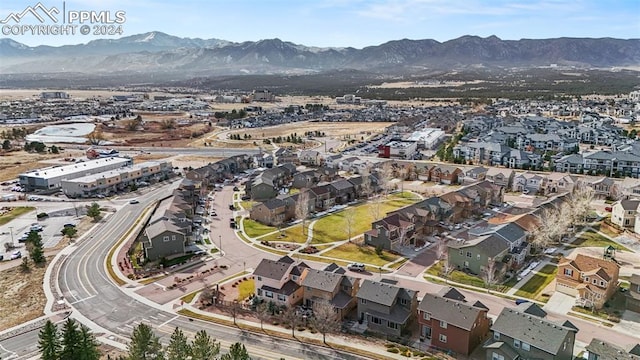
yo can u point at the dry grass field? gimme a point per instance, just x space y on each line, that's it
16 162
331 129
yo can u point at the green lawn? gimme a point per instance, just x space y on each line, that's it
14 213
362 254
334 227
178 260
254 229
538 282
245 289
592 239
247 205
456 276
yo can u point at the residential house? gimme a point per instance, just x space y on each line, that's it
558 183
264 160
390 233
332 161
263 188
309 157
501 177
572 163
305 179
322 197
271 212
386 308
331 287
514 236
462 206
474 174
285 155
342 191
163 239
473 255
445 174
602 350
528 183
170 227
518 159
453 325
623 213
633 295
278 281
603 187
516 335
593 281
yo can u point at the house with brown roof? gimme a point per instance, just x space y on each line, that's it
331 287
462 206
500 177
633 295
592 280
453 325
445 174
390 232
279 281
271 212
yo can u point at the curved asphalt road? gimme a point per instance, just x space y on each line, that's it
86 286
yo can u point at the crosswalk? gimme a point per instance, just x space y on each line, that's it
156 320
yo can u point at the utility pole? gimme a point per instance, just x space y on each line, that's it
220 241
11 232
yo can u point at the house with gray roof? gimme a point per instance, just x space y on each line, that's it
453 325
271 212
501 177
279 281
333 287
516 335
386 308
474 254
474 174
602 350
623 212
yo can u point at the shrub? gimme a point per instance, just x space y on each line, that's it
393 350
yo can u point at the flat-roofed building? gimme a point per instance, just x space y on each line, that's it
51 178
398 149
117 179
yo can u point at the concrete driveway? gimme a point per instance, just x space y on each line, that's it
560 303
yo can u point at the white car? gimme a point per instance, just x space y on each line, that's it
356 267
134 201
16 255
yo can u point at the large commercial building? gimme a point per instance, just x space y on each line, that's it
398 149
51 178
115 180
427 138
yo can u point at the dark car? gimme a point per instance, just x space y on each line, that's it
521 301
69 225
235 188
232 207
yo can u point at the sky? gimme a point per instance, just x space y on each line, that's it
341 23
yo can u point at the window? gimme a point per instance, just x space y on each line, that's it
259 292
568 272
461 252
443 338
173 238
426 316
403 301
282 297
259 278
595 281
496 335
586 279
601 283
525 346
363 301
468 254
392 325
376 320
165 239
478 257
516 343
294 277
443 324
268 294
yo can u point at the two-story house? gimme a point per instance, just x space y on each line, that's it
592 280
602 350
623 213
279 281
516 335
527 183
451 324
474 174
331 287
271 212
445 174
501 177
473 255
633 296
385 308
390 233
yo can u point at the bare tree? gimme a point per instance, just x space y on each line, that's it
403 231
554 227
447 268
580 203
263 313
234 309
365 187
386 175
350 218
325 319
302 208
375 207
403 176
441 249
95 137
489 273
207 294
291 318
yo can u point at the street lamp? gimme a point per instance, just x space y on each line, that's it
220 241
11 232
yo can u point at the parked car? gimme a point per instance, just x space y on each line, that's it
608 208
521 301
16 255
23 237
36 227
1 257
69 225
213 213
232 207
134 201
356 267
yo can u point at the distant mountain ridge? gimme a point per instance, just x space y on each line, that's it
159 52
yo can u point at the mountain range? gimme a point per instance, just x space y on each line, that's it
157 52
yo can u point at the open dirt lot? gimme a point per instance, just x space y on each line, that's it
331 129
16 162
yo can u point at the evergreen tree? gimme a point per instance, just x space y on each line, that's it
49 342
88 345
204 347
178 348
35 247
70 340
144 345
93 211
6 145
237 351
